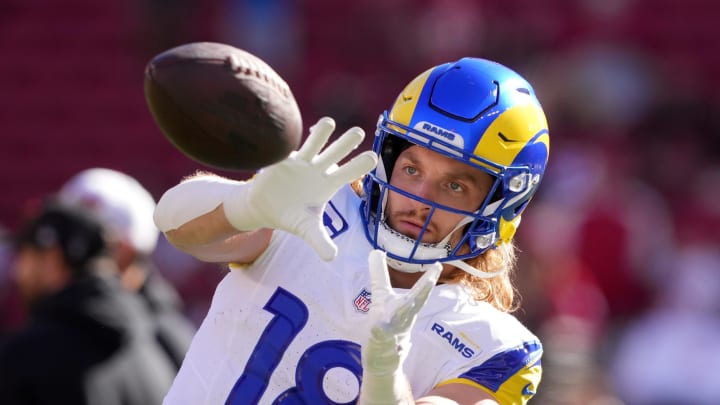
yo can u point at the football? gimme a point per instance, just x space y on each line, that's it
222 106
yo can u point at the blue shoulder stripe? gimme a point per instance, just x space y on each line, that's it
499 368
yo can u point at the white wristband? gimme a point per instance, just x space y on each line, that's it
191 199
238 210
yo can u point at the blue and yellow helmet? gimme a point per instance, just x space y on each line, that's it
478 112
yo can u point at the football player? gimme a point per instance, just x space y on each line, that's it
391 289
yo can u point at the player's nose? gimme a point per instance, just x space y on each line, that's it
425 192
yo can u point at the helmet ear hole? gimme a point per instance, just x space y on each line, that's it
374 194
392 147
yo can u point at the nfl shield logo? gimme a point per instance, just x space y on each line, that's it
362 301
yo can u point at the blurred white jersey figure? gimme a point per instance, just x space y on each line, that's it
123 205
125 209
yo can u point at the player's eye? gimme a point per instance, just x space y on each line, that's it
411 170
455 187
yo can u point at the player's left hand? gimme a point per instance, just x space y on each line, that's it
291 195
394 315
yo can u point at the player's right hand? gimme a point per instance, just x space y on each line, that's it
291 195
393 315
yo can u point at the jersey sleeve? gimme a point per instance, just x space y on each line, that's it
512 376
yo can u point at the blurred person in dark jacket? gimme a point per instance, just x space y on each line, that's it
10 308
88 340
125 209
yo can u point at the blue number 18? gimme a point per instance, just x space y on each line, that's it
290 317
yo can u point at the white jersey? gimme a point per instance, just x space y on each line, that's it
289 327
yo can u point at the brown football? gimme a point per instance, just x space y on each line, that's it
222 106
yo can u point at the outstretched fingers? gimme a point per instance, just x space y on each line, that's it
341 148
313 232
422 287
357 167
421 290
379 277
415 299
319 135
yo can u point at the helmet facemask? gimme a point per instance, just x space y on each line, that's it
476 112
479 228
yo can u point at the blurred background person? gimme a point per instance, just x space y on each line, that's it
9 315
88 340
674 345
125 209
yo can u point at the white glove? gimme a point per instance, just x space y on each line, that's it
394 316
291 195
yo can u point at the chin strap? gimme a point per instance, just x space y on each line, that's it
401 245
472 270
417 267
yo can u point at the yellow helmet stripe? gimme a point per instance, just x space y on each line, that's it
510 132
404 107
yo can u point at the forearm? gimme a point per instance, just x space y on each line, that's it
388 389
204 230
193 219
242 247
211 238
195 199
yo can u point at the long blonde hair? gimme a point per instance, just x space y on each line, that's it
498 291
